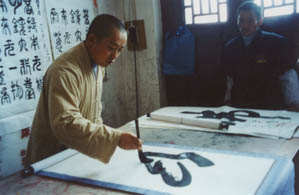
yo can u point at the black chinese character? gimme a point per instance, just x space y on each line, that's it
67 37
34 43
3 6
9 48
31 24
86 16
39 84
36 63
25 66
54 16
5 27
22 23
5 99
29 92
73 16
23 44
58 41
77 12
28 8
15 26
78 35
38 8
2 76
16 90
64 17
16 4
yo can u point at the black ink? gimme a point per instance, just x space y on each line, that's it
168 178
25 66
23 45
15 26
22 23
9 48
86 16
13 68
16 4
231 116
34 42
5 99
64 17
39 84
37 4
31 24
28 8
78 35
143 158
5 27
72 16
196 158
16 90
2 76
77 13
29 92
54 16
67 37
3 6
36 63
58 41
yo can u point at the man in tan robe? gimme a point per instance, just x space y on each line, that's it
69 108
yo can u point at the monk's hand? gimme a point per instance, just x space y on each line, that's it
129 141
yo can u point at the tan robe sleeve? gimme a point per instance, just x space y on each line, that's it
70 127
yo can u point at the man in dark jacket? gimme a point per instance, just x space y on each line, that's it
257 65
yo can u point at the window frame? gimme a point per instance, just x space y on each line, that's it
194 15
295 2
228 3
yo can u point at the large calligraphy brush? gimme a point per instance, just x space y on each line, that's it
141 155
133 39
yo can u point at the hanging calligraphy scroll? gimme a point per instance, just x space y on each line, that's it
68 23
24 57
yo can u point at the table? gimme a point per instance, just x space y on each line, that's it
15 184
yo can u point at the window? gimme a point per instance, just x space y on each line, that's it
205 11
278 7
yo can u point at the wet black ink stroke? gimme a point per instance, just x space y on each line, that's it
168 178
232 115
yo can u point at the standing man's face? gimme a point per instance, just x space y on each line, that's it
104 52
248 22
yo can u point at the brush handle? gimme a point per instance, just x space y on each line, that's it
137 128
141 155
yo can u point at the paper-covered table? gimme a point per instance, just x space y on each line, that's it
260 123
181 170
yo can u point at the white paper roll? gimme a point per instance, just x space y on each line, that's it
205 123
166 118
